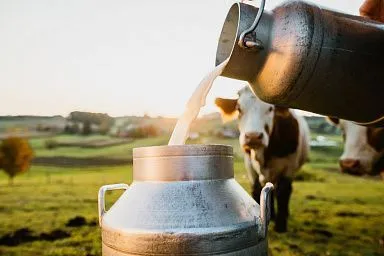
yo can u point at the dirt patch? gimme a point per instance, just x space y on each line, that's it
310 197
315 224
320 198
54 235
93 223
354 237
80 221
295 248
357 214
322 232
350 214
306 176
64 161
312 211
25 235
19 236
77 221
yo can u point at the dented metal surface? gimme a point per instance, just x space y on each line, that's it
312 59
202 211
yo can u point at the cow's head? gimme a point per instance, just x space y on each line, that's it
265 130
363 148
255 118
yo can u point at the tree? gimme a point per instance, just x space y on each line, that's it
104 121
87 130
104 127
15 156
72 128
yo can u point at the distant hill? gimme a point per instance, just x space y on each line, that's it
26 117
30 122
205 124
163 123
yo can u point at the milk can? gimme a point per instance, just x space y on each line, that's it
304 56
184 200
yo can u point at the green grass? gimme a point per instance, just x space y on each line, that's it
331 213
119 151
44 203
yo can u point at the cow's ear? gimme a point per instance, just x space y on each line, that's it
333 120
227 108
375 137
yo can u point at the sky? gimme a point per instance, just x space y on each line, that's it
120 57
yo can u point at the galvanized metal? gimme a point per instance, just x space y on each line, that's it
265 205
184 200
312 59
252 42
186 162
101 197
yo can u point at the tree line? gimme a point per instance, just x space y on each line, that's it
87 119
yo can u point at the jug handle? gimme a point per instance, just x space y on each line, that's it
265 207
254 43
101 197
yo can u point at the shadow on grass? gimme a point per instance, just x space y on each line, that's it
25 235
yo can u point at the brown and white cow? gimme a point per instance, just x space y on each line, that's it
275 142
363 148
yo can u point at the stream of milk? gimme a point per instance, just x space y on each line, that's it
196 101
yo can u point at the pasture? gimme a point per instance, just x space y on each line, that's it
331 213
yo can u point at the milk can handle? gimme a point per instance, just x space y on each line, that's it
101 198
265 207
254 43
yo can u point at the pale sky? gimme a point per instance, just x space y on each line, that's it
120 57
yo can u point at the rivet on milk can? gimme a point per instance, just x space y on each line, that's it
184 200
303 56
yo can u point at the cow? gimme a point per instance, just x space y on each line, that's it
363 148
275 142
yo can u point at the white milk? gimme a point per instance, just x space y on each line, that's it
192 109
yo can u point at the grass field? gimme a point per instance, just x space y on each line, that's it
331 213
120 151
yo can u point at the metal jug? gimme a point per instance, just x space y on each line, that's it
184 200
306 57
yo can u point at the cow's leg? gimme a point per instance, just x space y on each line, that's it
273 215
283 193
256 191
253 178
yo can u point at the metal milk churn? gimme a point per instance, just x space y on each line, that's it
303 56
184 200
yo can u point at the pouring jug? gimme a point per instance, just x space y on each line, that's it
302 56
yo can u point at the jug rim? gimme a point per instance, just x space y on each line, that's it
183 163
228 35
183 150
244 63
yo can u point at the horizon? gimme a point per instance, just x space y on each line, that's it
300 112
104 57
